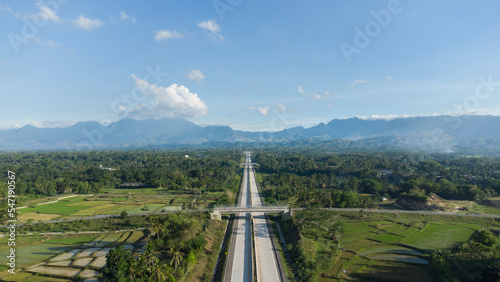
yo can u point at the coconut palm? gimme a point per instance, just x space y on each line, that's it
157 226
149 259
176 258
137 269
160 272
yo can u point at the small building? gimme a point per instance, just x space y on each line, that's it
106 168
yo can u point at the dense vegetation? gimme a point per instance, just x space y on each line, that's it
305 179
364 246
178 240
50 173
476 260
334 180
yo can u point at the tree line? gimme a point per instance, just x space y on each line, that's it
339 180
45 174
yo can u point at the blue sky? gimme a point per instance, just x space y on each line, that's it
252 65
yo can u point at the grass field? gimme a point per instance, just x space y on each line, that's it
394 271
71 241
94 210
30 277
389 247
149 208
438 236
134 237
32 254
63 256
20 240
62 207
37 216
120 199
119 208
114 201
54 254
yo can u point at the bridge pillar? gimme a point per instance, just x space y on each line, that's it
215 215
287 214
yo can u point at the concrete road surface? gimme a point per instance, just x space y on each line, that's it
265 253
240 261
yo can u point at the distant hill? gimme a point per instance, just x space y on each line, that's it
437 133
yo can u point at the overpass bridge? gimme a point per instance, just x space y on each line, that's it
217 211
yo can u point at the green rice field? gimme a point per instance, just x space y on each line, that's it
387 247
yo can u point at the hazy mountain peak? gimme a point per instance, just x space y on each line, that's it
445 130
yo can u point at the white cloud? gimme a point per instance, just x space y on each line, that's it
383 117
210 25
312 95
125 17
8 9
327 93
86 23
282 108
213 27
196 75
279 108
358 81
390 78
49 43
172 101
53 123
167 34
47 13
262 110
460 110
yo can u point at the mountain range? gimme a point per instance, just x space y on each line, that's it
435 133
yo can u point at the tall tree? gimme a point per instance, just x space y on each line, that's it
118 264
176 258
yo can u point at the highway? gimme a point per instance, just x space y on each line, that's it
239 265
267 262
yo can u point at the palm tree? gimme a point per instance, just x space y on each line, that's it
157 226
144 266
176 258
159 272
137 269
149 259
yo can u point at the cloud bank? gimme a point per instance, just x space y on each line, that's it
172 101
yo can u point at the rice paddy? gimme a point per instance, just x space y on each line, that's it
394 249
112 202
64 259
